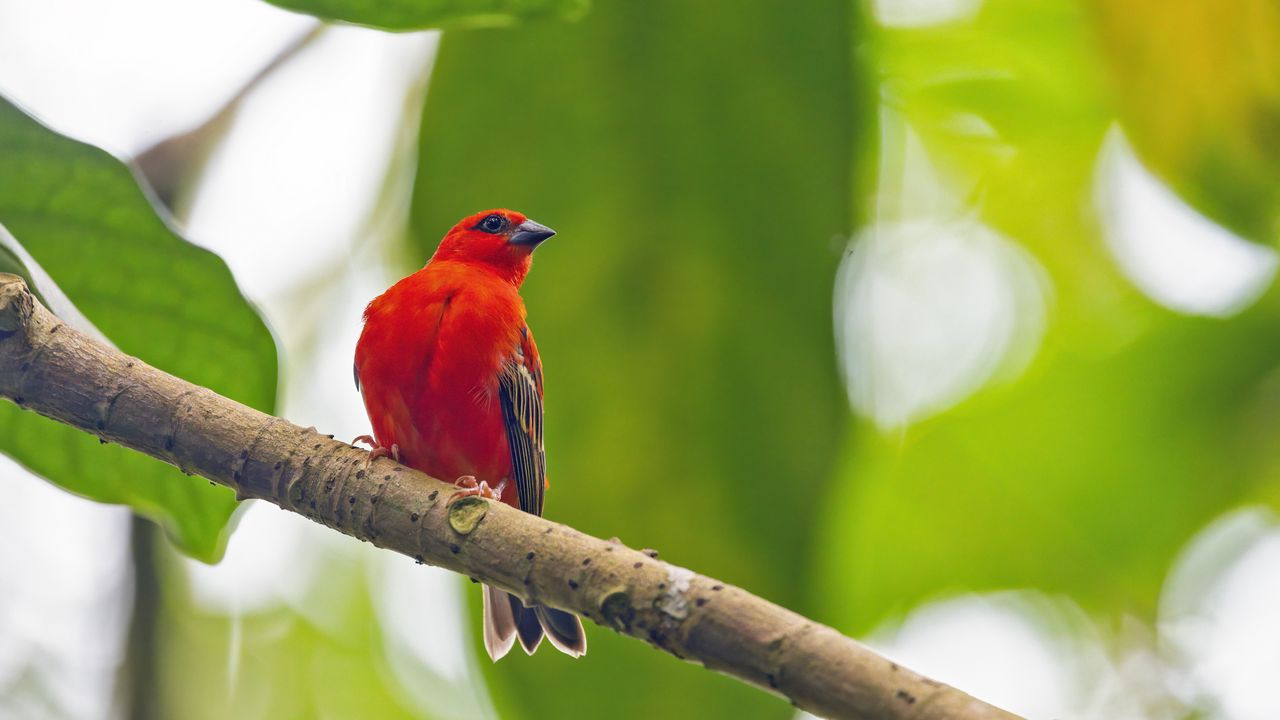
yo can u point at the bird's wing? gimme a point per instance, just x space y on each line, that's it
520 388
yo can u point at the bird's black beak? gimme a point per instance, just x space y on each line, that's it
530 233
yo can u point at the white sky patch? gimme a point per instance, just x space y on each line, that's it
290 191
1219 619
66 600
1175 255
124 73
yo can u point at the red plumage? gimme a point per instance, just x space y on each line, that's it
451 377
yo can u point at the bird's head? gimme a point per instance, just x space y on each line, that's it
500 240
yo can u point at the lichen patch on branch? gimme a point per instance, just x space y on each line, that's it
673 601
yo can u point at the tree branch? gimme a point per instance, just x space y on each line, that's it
51 368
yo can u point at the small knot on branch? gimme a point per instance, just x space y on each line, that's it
617 610
15 304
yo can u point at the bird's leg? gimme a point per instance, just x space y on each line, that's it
470 487
377 450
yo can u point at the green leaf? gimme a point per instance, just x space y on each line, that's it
422 14
698 173
80 216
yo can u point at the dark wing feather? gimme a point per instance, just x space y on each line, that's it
520 388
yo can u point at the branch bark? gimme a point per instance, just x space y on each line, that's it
50 368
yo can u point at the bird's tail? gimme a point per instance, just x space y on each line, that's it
506 618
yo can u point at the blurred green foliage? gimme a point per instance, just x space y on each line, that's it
421 14
81 216
695 160
1133 427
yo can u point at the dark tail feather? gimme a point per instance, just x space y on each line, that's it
563 629
527 627
499 623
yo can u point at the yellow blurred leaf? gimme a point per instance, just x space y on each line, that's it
1197 85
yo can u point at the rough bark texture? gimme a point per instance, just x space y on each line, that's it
50 368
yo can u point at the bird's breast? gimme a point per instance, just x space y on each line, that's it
428 365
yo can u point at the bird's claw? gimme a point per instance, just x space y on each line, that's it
469 486
377 450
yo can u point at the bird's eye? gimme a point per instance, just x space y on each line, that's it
493 224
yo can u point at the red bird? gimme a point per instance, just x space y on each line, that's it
453 387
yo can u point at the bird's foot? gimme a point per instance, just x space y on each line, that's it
377 450
469 486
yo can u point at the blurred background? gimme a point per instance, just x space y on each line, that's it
949 323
